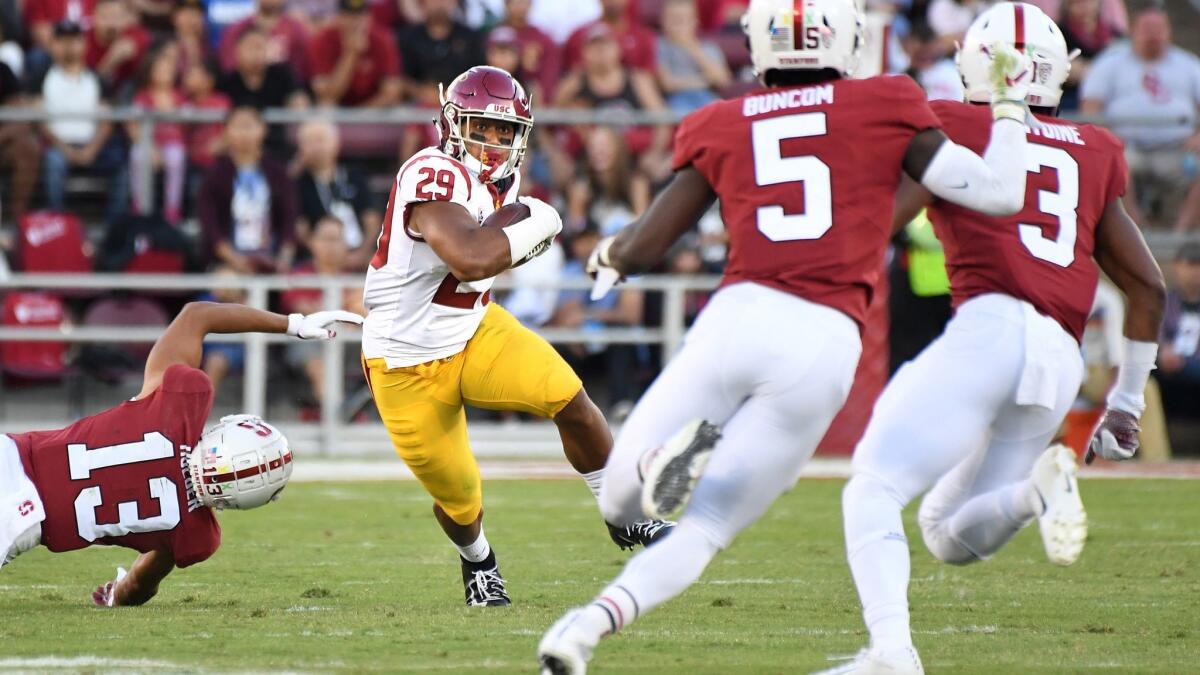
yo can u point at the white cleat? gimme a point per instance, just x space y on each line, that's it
876 661
670 472
1063 522
566 648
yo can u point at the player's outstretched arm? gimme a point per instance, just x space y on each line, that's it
675 210
183 341
139 584
473 252
1123 255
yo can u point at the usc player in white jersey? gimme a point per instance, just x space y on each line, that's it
433 340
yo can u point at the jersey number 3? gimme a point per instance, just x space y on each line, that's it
83 460
1060 204
772 168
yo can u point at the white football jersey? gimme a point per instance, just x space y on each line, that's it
418 310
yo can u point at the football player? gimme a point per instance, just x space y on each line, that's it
806 171
145 475
971 416
434 340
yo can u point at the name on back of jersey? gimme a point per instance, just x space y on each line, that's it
761 104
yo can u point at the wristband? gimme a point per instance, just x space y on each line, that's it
524 236
294 320
1009 110
1129 393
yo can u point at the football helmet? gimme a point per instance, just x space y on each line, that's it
487 92
240 463
803 35
1028 30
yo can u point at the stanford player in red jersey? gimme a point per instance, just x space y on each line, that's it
971 416
806 172
145 475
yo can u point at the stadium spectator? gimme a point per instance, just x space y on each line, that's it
41 16
540 57
19 149
82 144
690 70
930 66
560 19
602 83
258 84
205 141
950 19
503 51
154 15
247 204
330 258
328 188
190 35
224 13
168 152
438 50
287 38
116 45
1179 347
636 42
314 13
1150 79
610 192
1112 12
354 62
1085 28
224 358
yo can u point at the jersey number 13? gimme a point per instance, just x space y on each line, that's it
83 460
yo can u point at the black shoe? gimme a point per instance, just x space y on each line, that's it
483 584
641 533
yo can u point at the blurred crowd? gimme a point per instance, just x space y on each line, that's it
241 196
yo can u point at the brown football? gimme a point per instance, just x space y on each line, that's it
507 215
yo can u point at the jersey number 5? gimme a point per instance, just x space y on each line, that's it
83 460
772 168
1060 204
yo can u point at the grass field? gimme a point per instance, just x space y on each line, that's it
356 577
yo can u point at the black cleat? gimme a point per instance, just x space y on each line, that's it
641 533
483 584
552 665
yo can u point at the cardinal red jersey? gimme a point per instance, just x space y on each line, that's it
1042 255
120 477
807 177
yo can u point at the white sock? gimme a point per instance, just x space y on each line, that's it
477 551
1026 503
594 480
878 554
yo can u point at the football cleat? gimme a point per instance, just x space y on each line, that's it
566 648
641 533
483 584
876 661
1063 522
670 471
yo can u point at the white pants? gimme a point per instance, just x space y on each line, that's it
950 419
768 367
21 510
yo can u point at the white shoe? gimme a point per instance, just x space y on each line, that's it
876 661
670 472
566 648
1063 522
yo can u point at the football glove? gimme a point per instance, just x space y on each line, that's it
600 268
106 595
1116 439
1011 75
317 326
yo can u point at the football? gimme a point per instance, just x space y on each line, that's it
507 215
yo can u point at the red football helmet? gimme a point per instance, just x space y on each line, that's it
486 92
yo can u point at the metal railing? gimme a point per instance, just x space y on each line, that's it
332 431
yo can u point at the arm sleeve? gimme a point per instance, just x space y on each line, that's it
994 184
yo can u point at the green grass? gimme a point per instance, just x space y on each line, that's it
357 577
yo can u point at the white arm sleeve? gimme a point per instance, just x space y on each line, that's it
993 184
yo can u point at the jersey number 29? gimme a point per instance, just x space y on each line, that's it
83 460
772 168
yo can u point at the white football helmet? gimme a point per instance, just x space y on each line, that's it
1028 30
240 463
803 35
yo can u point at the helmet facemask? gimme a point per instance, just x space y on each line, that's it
509 155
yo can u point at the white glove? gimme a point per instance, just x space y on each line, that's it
600 268
1011 74
545 215
105 595
317 326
